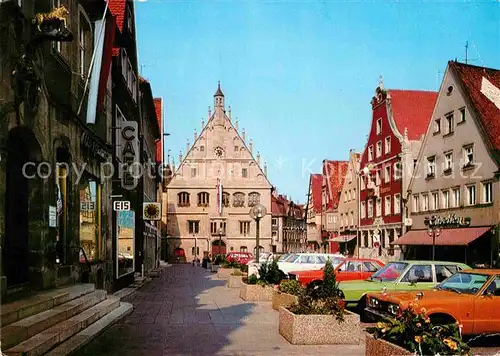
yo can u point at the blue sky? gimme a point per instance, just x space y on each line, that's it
300 75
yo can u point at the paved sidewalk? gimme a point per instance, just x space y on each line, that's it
188 311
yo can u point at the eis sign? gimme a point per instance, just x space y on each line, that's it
130 167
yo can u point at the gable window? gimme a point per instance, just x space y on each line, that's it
236 148
238 200
387 144
468 152
487 192
253 199
379 207
425 202
387 175
456 197
388 205
435 201
446 199
397 203
462 115
370 153
244 228
437 126
379 126
416 203
193 227
379 149
448 162
377 178
397 171
370 208
203 199
202 148
363 210
431 166
225 200
183 199
449 123
244 172
84 42
471 194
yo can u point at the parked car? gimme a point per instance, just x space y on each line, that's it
350 269
308 261
241 257
399 276
471 298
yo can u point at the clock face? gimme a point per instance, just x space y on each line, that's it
219 152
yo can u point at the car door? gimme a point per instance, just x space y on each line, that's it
307 262
486 310
351 271
368 268
418 277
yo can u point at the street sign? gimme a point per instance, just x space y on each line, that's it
151 211
52 216
121 205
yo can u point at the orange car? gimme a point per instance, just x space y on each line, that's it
470 297
351 269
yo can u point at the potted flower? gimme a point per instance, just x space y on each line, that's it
319 317
261 288
287 294
235 279
412 332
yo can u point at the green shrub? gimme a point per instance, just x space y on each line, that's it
244 268
269 273
252 279
291 287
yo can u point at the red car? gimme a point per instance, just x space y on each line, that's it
241 257
351 269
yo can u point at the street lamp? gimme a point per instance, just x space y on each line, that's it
257 212
434 230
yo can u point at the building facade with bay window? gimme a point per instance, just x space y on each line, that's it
458 171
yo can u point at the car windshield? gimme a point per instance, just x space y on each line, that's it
284 257
464 283
389 272
291 258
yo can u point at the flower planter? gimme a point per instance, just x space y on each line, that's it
214 268
379 347
235 281
255 292
223 273
283 300
319 329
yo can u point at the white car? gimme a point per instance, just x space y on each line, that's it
308 261
253 267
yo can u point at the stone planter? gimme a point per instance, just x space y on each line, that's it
214 268
255 292
235 281
379 347
223 273
283 300
319 329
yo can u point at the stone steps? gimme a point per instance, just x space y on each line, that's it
46 340
18 310
26 328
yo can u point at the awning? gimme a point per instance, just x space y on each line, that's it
345 238
448 237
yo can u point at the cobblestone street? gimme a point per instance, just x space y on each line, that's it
188 311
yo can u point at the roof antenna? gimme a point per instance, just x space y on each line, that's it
466 50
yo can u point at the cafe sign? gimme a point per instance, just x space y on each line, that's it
129 149
448 222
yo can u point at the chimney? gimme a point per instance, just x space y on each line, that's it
250 145
209 113
243 135
258 158
195 136
202 124
236 125
265 169
229 112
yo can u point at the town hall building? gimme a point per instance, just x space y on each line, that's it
209 197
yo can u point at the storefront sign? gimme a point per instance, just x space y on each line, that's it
93 146
129 154
385 190
87 206
52 216
151 211
121 205
448 222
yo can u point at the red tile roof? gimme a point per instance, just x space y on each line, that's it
159 116
412 109
278 205
334 173
117 8
471 78
315 188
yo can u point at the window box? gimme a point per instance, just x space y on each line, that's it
447 172
430 176
183 205
468 166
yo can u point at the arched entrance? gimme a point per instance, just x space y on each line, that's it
218 250
23 204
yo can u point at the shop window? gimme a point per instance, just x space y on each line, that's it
125 226
90 206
